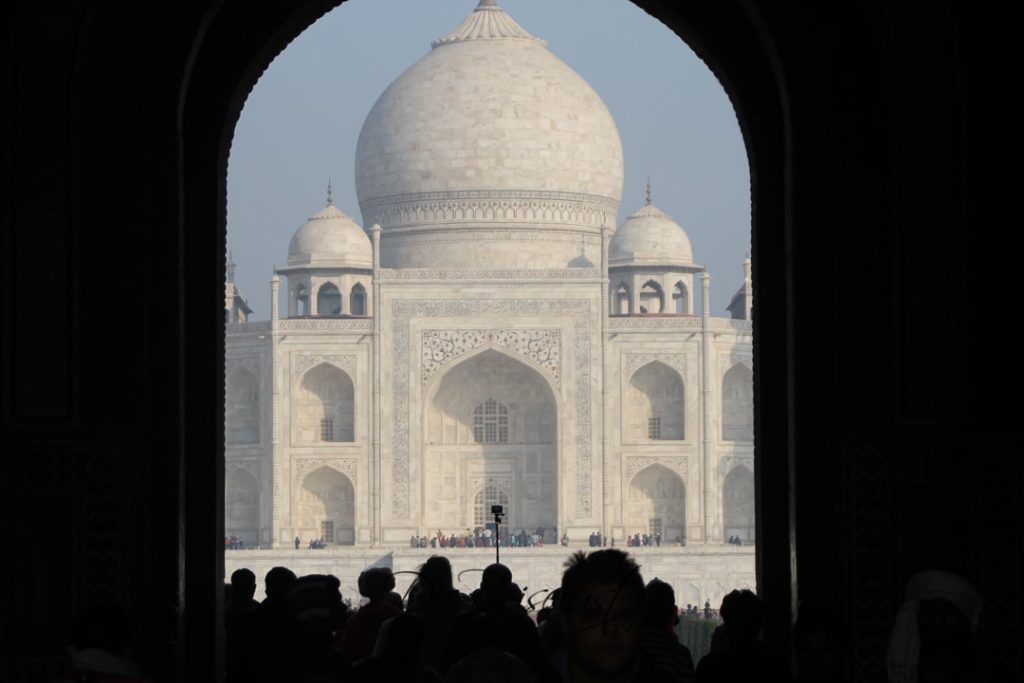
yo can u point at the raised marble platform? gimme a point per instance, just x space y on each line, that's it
697 573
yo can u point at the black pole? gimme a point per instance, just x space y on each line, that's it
497 538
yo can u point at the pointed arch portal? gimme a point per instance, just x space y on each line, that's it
657 503
326 507
491 423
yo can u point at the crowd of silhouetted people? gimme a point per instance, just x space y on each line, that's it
603 623
485 537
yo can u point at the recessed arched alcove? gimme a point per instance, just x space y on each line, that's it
657 505
491 424
325 509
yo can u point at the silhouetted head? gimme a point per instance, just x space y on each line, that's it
495 583
314 604
277 582
602 599
742 614
660 610
376 583
243 584
435 577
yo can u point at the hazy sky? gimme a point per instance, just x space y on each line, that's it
301 122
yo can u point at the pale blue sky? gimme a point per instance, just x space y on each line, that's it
301 122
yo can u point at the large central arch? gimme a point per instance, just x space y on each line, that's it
490 423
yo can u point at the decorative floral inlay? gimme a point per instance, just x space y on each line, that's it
441 346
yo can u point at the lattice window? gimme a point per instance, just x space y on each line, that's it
327 429
489 495
490 422
327 530
654 526
654 428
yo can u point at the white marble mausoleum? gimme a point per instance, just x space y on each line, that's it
488 335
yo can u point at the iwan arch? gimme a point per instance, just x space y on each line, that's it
491 335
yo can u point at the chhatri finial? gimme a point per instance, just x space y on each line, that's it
330 194
487 3
648 190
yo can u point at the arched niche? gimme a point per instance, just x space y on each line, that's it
242 408
328 300
326 507
300 305
738 404
621 300
655 404
357 300
656 501
738 504
325 406
680 302
242 506
652 298
519 404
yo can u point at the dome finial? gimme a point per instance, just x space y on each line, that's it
648 190
330 194
487 3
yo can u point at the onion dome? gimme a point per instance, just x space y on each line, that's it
330 239
650 237
488 152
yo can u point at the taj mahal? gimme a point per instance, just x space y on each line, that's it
489 336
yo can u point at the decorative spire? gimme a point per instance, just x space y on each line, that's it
648 190
330 194
487 22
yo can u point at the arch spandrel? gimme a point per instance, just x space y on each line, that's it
537 348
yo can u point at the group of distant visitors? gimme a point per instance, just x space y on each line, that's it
735 540
233 543
484 537
314 543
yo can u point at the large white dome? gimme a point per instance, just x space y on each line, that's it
489 139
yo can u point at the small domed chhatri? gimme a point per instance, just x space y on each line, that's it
650 237
330 238
489 152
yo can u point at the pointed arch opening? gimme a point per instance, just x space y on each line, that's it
325 407
491 417
622 303
300 302
738 404
680 302
655 404
326 507
652 298
328 300
657 505
242 408
357 300
242 506
738 508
